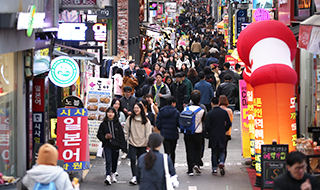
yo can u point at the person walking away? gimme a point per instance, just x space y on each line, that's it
142 80
203 60
145 66
296 177
193 141
227 71
196 49
210 77
111 135
217 123
145 88
167 123
230 90
160 91
179 90
46 171
136 131
193 76
129 80
189 85
224 103
151 169
206 91
118 82
128 101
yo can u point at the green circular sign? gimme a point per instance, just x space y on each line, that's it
64 71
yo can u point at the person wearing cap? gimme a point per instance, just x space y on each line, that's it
151 172
47 171
132 64
179 90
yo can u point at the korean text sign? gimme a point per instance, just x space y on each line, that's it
245 115
72 138
273 161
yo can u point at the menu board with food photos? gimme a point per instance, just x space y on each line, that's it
99 97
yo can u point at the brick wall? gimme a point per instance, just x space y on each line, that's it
123 26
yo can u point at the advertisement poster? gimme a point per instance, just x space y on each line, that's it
245 136
72 138
38 107
99 98
263 4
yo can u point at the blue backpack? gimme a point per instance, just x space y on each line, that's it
187 121
41 186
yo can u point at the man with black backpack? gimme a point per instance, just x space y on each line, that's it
190 122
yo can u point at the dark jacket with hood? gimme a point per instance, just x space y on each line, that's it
168 122
115 129
180 91
142 80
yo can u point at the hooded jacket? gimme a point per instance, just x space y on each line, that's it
168 122
128 81
46 174
115 129
137 133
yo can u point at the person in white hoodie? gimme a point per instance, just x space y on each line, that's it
47 171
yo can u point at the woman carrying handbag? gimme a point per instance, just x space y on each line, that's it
155 170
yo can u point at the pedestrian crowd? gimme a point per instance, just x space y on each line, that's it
184 89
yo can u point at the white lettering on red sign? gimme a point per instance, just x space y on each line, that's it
68 154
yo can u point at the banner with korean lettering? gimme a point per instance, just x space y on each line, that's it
38 108
98 100
245 136
72 138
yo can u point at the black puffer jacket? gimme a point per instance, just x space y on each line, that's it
230 90
168 122
115 129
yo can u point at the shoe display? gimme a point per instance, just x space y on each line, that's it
197 169
214 172
113 178
124 156
133 181
108 180
222 172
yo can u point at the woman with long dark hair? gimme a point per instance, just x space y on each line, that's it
137 130
171 62
116 104
151 172
184 69
182 60
111 135
156 69
149 114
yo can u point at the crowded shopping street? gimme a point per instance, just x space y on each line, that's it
159 94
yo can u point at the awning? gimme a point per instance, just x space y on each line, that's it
308 34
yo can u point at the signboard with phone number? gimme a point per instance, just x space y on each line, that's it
273 161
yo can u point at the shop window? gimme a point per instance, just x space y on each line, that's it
8 114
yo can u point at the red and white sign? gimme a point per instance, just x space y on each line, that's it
304 36
72 138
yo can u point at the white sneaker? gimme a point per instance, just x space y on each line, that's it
133 181
108 180
117 174
124 156
113 178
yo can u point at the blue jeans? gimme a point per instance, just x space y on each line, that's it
215 153
111 156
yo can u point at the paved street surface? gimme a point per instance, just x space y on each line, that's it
236 177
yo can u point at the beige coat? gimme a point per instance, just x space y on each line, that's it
139 133
196 47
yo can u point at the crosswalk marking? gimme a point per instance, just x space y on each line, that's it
206 164
192 188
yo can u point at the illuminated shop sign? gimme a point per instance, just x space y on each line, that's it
83 32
